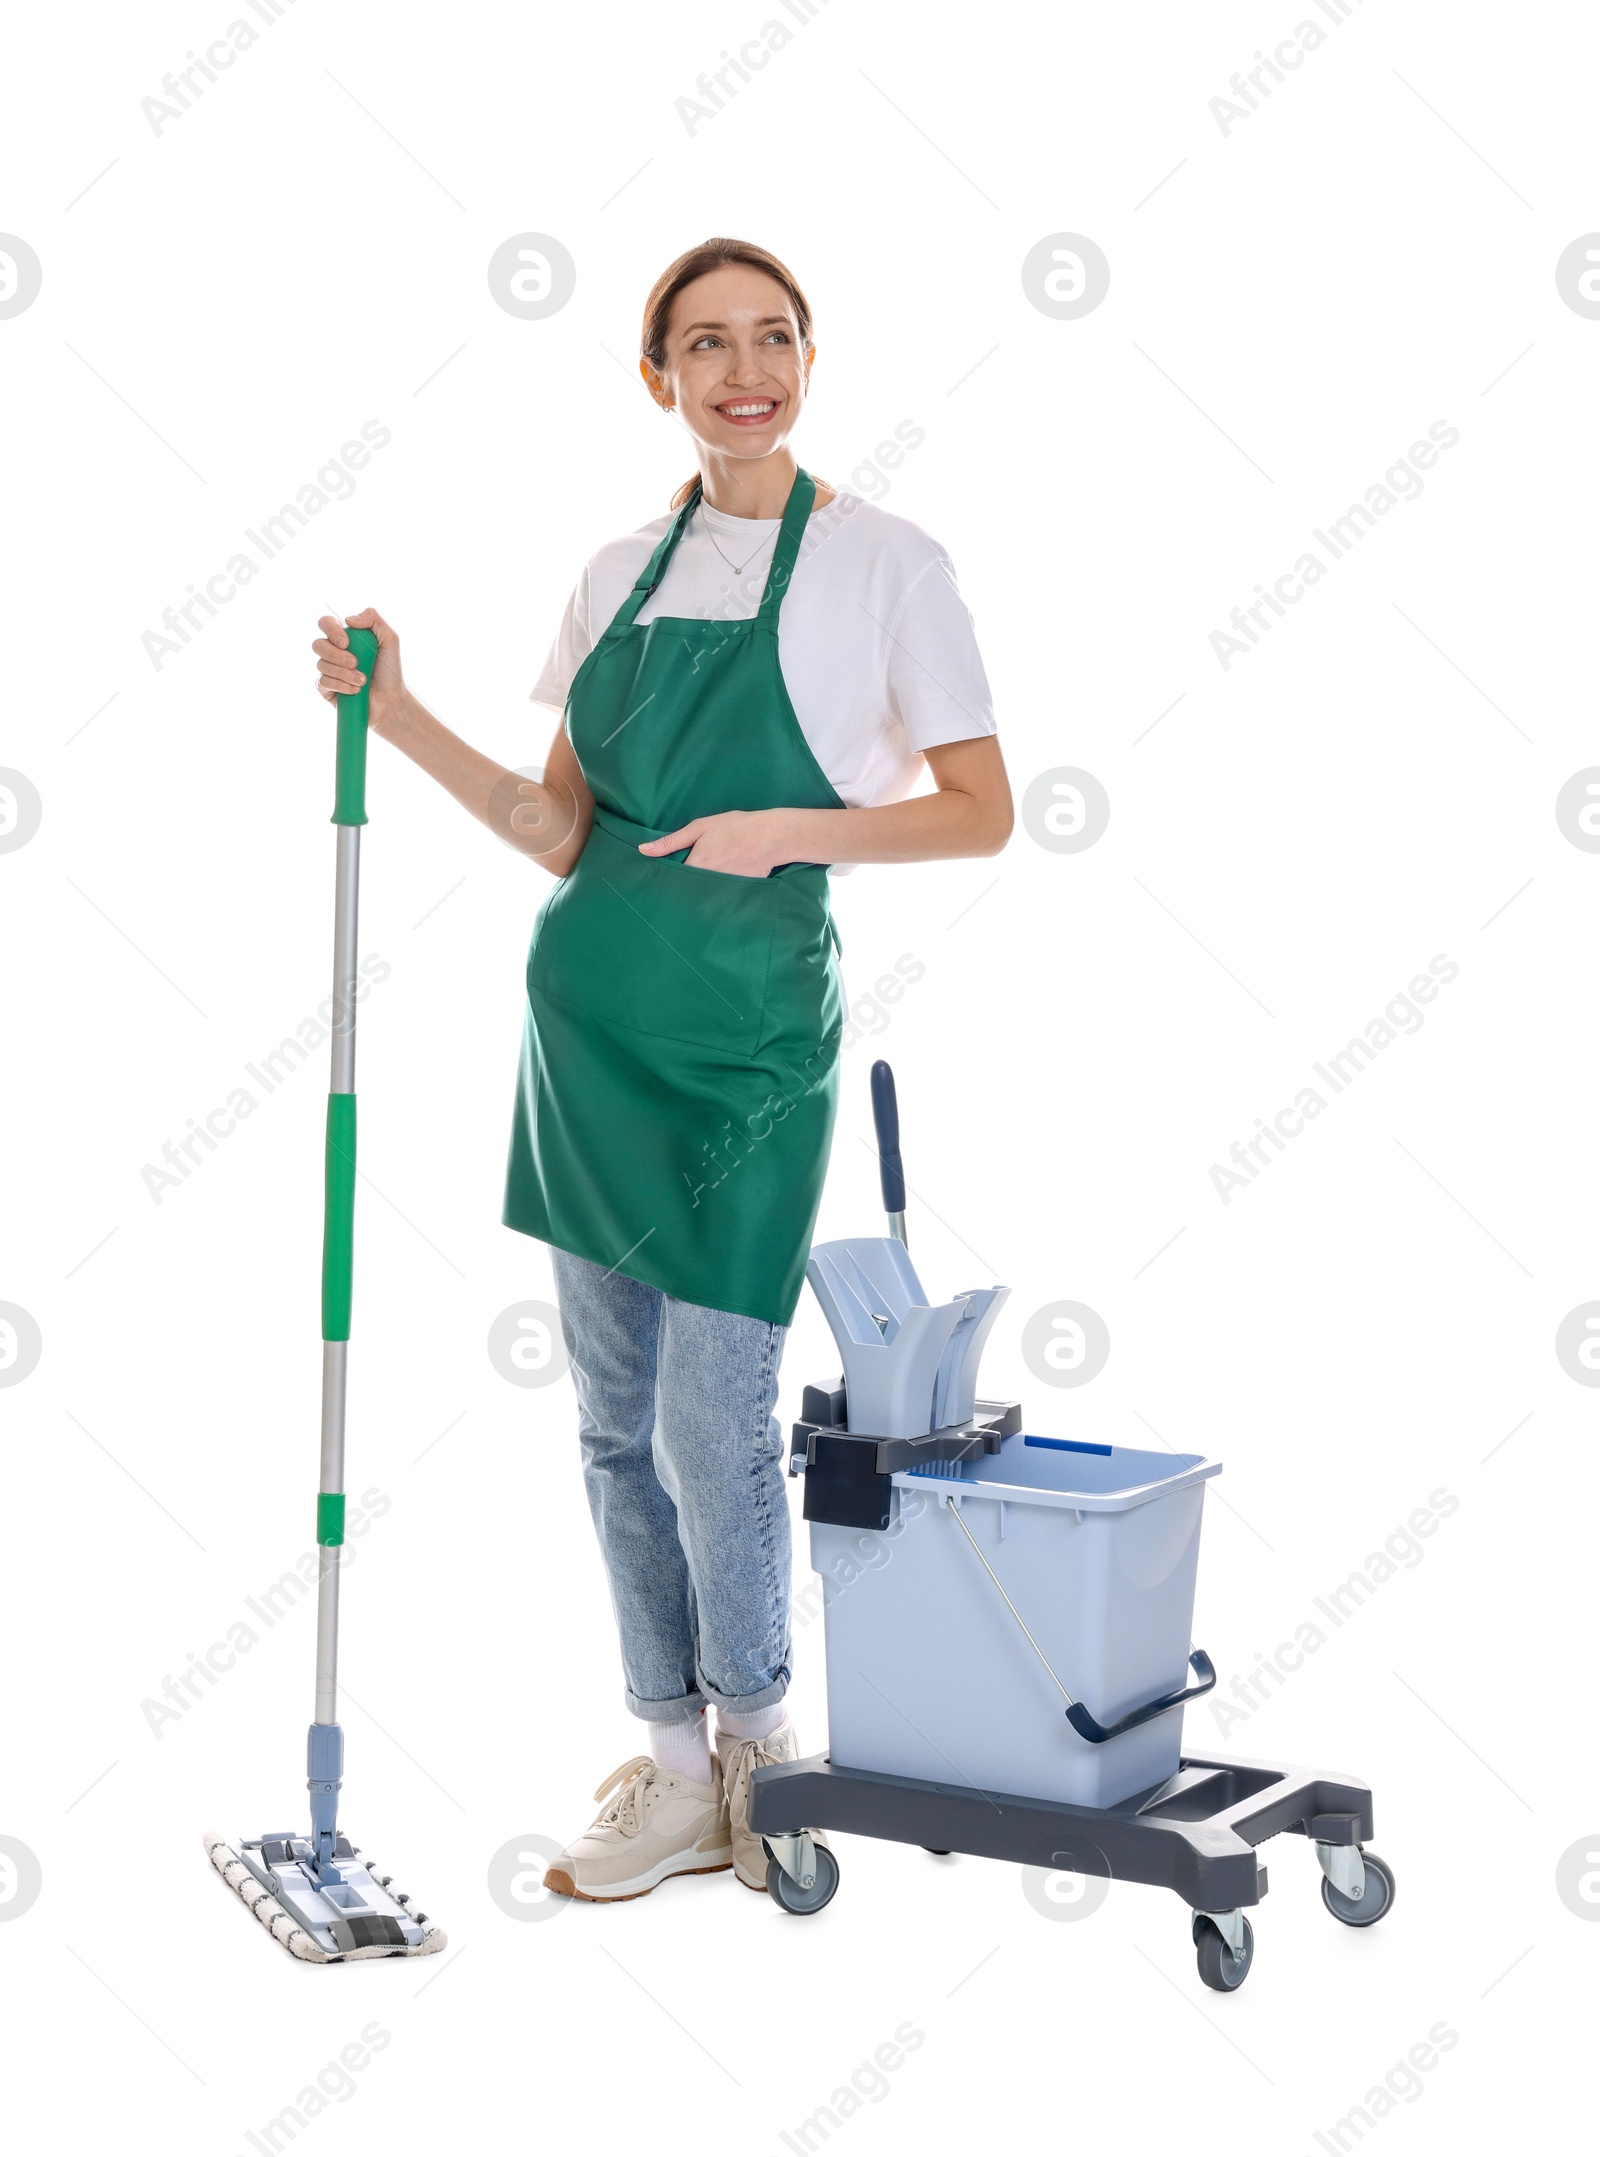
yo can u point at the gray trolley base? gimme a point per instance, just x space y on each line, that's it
1197 1833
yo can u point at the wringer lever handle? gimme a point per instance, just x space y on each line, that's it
891 1175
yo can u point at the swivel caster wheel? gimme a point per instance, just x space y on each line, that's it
1220 1967
1377 1896
800 1901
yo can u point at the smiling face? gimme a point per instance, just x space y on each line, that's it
735 368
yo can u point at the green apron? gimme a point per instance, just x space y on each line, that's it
681 1046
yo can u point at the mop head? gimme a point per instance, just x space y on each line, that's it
358 1916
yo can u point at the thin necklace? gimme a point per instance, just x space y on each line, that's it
738 568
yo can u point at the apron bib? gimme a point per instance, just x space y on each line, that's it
680 1051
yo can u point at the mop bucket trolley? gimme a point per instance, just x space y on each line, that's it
1007 1625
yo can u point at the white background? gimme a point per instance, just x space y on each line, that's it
1292 305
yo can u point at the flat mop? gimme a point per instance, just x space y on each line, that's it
317 1895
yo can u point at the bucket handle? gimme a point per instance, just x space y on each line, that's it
1091 1731
1097 1733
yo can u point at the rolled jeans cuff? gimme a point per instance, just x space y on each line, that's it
685 1709
682 1710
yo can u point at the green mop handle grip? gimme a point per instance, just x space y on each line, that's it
338 1215
350 756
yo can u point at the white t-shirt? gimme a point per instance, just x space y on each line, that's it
876 645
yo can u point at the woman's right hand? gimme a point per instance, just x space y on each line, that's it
338 675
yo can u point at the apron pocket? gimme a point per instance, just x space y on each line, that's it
679 953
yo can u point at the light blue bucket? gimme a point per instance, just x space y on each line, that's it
930 1675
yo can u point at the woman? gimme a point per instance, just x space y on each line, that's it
750 688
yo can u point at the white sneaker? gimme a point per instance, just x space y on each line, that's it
738 1759
651 1825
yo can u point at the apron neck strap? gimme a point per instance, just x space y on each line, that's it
656 568
790 533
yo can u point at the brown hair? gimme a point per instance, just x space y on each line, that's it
710 255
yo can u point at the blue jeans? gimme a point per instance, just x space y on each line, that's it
682 1459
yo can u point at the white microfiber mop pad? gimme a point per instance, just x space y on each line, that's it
291 1934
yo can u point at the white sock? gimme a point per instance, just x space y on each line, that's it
759 1723
682 1748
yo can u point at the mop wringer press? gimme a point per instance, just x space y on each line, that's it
971 1572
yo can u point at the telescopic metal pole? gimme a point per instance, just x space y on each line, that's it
325 1740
